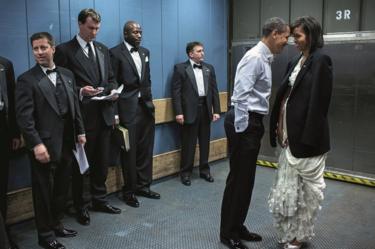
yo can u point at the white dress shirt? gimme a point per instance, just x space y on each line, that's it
52 76
198 73
84 47
252 85
136 58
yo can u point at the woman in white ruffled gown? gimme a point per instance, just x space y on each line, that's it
299 123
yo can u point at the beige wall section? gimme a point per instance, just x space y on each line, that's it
164 110
20 201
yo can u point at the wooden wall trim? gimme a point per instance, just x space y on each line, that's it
164 108
20 206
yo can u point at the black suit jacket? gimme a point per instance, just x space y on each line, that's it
7 85
70 55
38 113
185 96
307 108
126 73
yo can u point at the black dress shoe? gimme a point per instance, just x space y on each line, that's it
207 177
83 216
65 233
106 208
131 200
186 180
233 243
148 193
246 235
53 244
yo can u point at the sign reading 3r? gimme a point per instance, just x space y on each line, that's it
343 15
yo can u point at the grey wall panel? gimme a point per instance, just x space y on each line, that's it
246 19
272 8
367 15
306 7
341 15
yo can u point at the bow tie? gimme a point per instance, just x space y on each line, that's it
133 50
49 71
197 66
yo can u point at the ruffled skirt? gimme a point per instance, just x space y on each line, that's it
296 195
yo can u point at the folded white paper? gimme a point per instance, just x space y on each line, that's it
114 92
80 155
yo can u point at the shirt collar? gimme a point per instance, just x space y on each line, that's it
128 46
265 51
82 42
193 62
44 69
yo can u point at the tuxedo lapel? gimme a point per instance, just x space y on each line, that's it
143 60
46 87
82 59
68 84
100 55
305 67
190 73
206 75
128 56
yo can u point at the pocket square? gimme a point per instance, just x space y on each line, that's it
146 59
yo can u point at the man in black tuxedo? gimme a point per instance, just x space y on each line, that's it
131 67
90 62
9 133
195 102
50 120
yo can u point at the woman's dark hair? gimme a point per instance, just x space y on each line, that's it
312 29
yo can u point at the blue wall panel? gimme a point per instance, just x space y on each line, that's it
75 8
110 25
14 43
170 48
167 25
42 15
151 16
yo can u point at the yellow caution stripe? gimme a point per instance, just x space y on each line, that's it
334 175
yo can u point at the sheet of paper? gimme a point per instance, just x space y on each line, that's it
80 155
113 93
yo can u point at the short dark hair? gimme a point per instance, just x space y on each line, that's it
191 45
312 29
274 23
127 26
83 14
42 35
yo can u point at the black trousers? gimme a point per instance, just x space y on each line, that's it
4 168
4 242
200 130
50 185
137 163
243 152
4 163
97 150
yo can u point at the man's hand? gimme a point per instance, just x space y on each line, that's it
215 117
81 139
16 143
115 96
41 153
180 119
90 91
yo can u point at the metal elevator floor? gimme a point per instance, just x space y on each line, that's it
189 217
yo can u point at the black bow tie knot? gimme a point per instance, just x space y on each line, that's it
197 66
49 71
133 49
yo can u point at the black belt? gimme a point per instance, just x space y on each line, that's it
202 100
